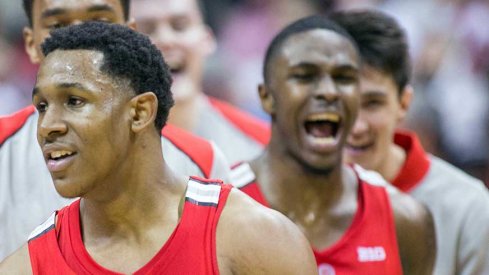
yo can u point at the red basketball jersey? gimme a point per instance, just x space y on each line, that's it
57 248
368 246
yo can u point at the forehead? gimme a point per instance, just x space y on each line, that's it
71 66
165 8
318 46
40 6
375 81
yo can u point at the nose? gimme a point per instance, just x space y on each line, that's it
326 90
165 36
50 125
360 126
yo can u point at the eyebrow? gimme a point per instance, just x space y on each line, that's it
77 86
375 93
337 67
69 85
100 7
58 11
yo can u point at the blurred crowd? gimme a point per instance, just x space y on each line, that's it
449 47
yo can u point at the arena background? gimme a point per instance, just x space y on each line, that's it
449 43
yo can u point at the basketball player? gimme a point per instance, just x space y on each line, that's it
25 182
355 226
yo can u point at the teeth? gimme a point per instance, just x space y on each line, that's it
324 140
58 154
324 116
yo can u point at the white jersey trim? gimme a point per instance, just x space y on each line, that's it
242 175
370 176
203 194
47 225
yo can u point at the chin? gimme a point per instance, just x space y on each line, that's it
68 190
315 168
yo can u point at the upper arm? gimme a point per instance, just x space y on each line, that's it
415 235
17 263
252 239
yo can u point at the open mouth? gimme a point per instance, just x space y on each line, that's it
323 126
59 155
59 160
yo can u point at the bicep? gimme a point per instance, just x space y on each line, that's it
263 241
17 263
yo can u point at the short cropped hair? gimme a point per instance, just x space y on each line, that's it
28 4
299 26
128 55
381 41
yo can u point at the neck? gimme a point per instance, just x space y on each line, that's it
288 186
144 193
186 112
392 164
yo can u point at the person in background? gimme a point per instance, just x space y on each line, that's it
355 222
178 29
459 203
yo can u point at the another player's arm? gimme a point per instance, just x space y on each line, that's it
252 239
415 235
17 263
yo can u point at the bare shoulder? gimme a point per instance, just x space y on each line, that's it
253 239
415 233
17 263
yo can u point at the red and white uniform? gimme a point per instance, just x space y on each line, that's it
57 248
368 246
25 182
458 202
239 135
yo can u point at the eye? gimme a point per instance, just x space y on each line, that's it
56 25
180 24
303 76
148 28
75 101
102 19
372 103
345 78
41 107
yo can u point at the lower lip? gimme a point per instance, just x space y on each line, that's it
321 145
357 151
61 164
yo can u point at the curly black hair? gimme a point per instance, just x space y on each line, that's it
27 5
127 55
302 25
381 40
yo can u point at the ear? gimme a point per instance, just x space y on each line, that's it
209 41
30 46
267 100
405 102
131 23
143 111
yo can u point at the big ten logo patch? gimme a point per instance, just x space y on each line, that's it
371 253
326 269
